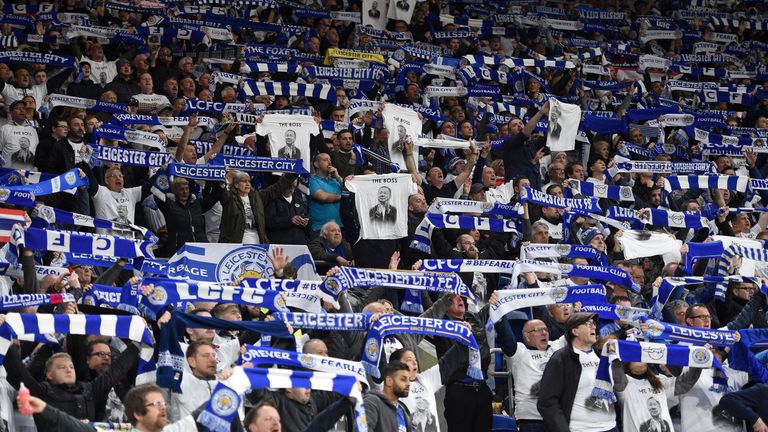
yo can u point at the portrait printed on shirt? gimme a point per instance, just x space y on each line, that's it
375 13
422 418
290 151
381 202
656 423
401 124
383 211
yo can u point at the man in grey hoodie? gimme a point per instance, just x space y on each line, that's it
383 411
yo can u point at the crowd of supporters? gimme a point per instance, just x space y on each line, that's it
666 154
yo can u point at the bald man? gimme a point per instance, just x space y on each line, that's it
528 360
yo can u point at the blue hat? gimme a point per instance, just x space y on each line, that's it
587 234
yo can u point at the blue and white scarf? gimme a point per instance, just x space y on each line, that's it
533 251
61 183
614 312
56 100
103 296
725 262
17 301
602 273
198 172
112 131
259 356
21 198
129 119
616 193
393 324
662 167
673 219
469 265
272 88
542 199
23 326
269 164
37 58
221 409
422 238
245 379
350 277
126 156
653 353
68 241
658 330
448 205
168 291
514 299
702 250
171 358
737 183
51 215
326 321
197 105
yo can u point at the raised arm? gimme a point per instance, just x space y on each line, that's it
531 125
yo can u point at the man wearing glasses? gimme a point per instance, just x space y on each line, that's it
527 362
696 405
565 399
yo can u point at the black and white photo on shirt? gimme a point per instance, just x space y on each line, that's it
383 211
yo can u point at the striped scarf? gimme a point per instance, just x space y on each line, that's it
653 353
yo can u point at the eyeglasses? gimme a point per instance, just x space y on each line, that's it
156 404
590 324
702 317
101 354
750 289
539 330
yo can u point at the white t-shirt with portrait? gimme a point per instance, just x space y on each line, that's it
584 416
117 206
527 367
19 144
645 410
421 400
382 204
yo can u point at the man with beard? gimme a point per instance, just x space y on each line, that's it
383 411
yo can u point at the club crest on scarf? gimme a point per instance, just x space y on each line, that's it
4 194
655 329
158 296
307 361
224 402
70 177
701 355
332 284
162 182
621 311
559 294
625 193
244 262
371 349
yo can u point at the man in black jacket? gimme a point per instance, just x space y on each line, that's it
124 84
467 401
565 401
